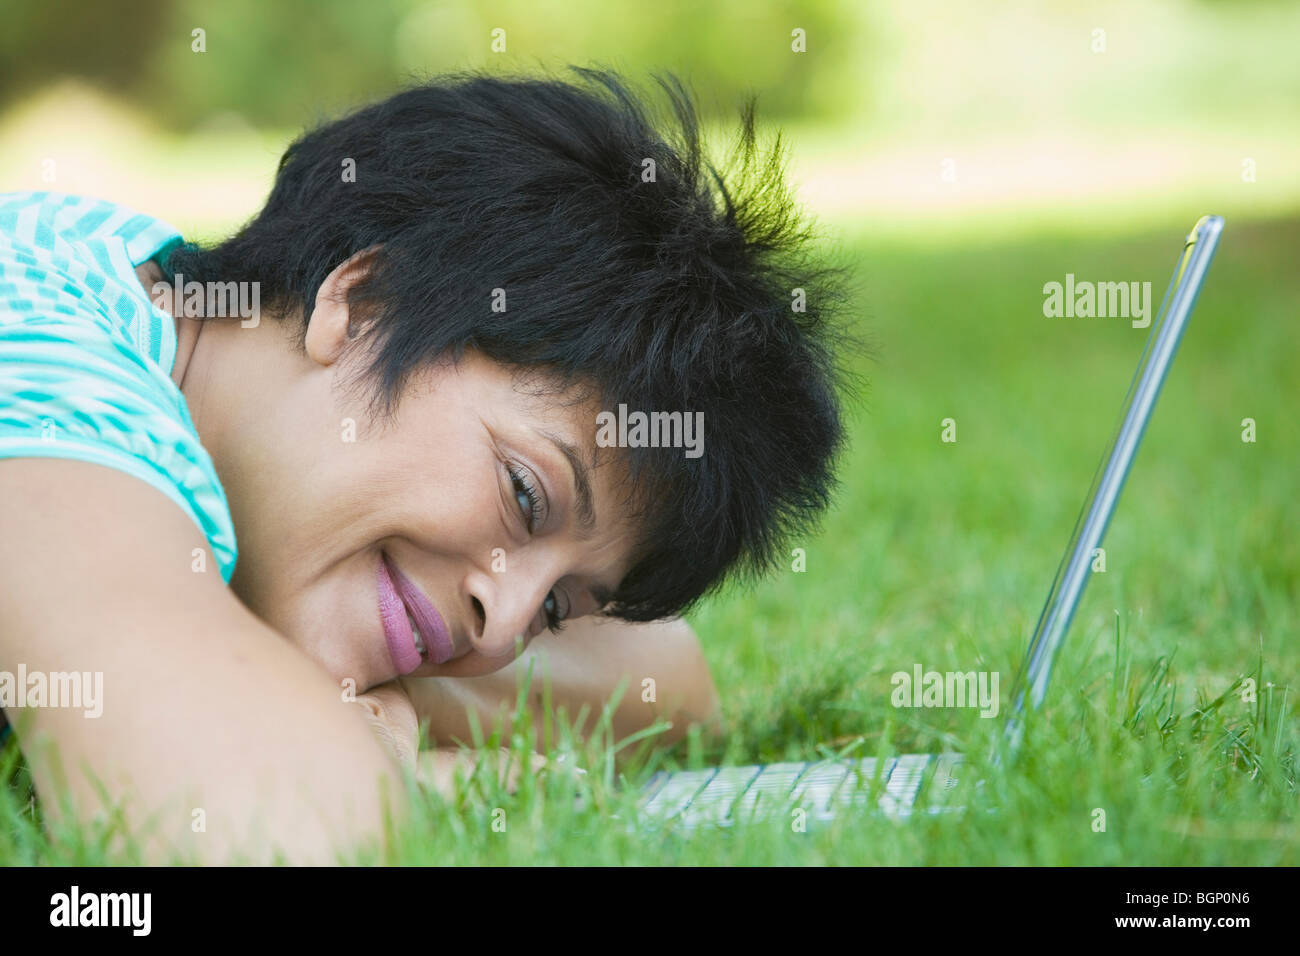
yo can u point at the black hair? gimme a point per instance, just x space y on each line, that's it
665 288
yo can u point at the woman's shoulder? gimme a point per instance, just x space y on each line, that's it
55 222
85 357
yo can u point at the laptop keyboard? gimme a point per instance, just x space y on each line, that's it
724 796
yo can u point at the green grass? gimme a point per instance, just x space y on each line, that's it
940 554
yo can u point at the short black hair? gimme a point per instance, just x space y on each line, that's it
685 290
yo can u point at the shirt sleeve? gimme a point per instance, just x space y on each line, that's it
74 385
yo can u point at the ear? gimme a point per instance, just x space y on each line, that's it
331 326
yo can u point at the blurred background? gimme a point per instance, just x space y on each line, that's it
917 114
960 156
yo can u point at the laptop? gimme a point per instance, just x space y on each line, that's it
725 796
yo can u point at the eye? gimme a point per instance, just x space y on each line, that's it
554 619
530 505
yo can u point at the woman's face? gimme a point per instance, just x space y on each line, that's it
474 515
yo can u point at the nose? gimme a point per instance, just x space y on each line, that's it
506 607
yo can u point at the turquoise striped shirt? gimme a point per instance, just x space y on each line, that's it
86 358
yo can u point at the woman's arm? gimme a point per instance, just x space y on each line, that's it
211 728
661 665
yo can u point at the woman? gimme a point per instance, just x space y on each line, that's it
394 388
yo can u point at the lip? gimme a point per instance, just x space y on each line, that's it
397 629
437 640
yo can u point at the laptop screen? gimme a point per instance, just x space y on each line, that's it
1073 572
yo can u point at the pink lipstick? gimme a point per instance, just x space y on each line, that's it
433 632
397 629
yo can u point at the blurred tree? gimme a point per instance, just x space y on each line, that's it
285 63
108 44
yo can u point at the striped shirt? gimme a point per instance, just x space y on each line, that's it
86 358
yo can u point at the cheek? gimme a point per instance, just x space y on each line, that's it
429 475
440 489
440 470
458 506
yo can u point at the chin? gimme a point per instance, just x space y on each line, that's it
338 663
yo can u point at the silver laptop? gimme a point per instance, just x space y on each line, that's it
912 783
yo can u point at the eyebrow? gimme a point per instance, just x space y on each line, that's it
584 507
